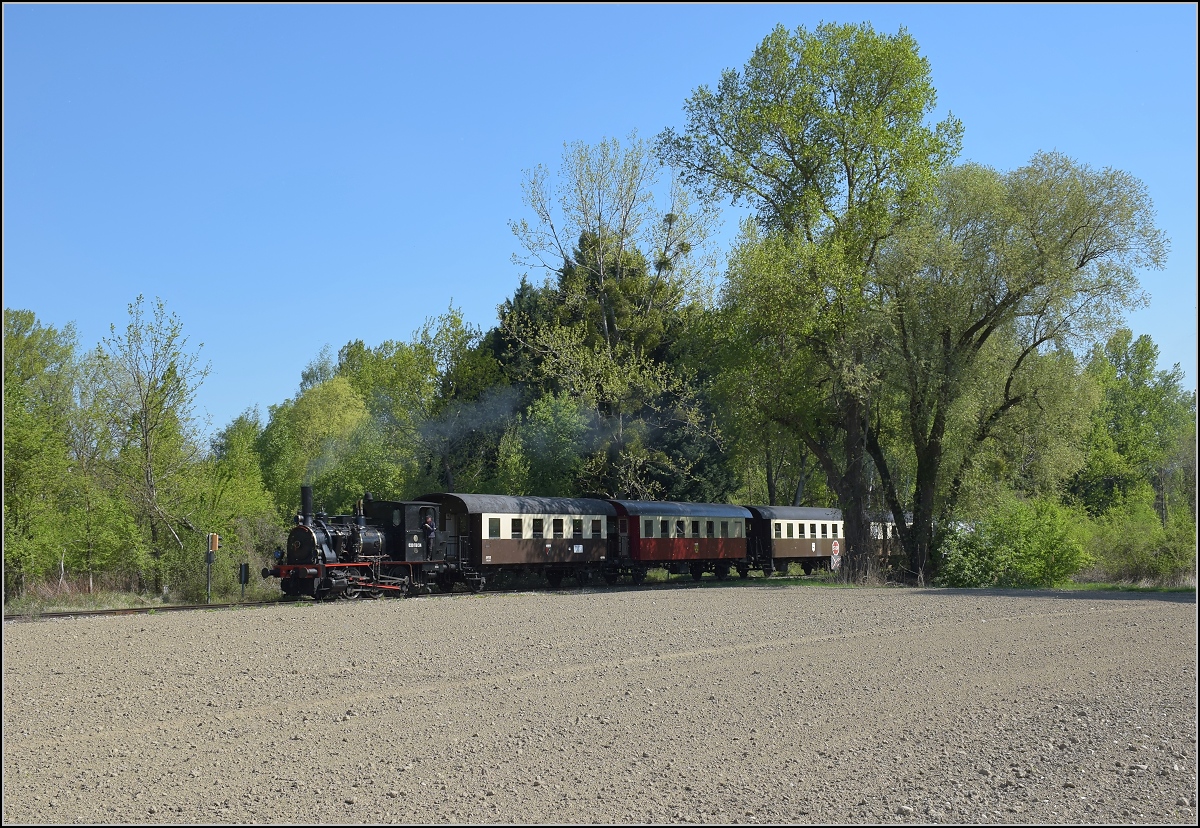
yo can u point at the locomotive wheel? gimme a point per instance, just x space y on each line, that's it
477 584
445 582
554 577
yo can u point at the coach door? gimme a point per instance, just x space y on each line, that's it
450 528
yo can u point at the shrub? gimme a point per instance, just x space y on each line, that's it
1019 543
1131 544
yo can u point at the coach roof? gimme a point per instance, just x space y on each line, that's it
795 513
506 505
675 509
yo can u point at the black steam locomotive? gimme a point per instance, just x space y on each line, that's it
385 548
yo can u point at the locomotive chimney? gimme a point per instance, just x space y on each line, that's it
306 504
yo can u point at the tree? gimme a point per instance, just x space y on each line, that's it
307 438
825 135
39 365
985 296
471 408
147 382
100 519
602 331
1144 417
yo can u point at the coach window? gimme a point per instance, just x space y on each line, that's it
679 529
812 530
779 530
648 529
824 530
835 530
664 528
597 528
493 527
724 528
737 528
791 530
695 528
577 527
558 527
709 529
517 528
538 528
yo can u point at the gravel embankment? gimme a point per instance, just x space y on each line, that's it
735 703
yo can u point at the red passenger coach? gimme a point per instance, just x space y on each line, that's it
683 537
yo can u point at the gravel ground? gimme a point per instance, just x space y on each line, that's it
738 703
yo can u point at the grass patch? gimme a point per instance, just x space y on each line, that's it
1102 586
43 600
73 595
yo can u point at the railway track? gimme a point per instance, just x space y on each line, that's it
44 616
680 583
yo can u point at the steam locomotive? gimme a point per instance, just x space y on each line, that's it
444 539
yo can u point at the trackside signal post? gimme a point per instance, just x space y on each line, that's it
214 543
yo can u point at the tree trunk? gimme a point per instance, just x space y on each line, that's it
798 498
770 478
857 560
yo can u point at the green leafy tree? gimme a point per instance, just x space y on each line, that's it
38 401
985 296
104 538
233 502
398 382
553 434
1145 415
824 134
305 441
147 380
601 332
470 409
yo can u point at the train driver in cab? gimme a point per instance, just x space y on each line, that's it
430 536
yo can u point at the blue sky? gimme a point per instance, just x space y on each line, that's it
290 177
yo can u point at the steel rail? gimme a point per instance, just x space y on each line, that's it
40 616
